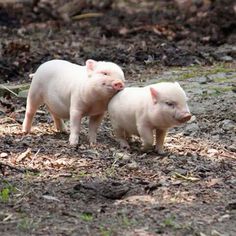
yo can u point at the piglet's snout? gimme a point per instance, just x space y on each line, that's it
185 117
118 85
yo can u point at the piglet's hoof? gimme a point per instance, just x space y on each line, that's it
161 152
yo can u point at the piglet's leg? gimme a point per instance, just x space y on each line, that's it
75 122
59 123
33 102
146 135
121 137
94 122
160 138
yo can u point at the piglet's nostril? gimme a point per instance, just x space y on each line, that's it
186 117
118 85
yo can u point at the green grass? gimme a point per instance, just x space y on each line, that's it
6 192
86 216
26 224
171 222
197 71
105 231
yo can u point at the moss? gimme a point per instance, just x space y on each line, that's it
197 71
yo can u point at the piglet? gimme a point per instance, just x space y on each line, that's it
141 111
71 92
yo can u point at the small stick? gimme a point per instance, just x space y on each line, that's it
9 90
86 15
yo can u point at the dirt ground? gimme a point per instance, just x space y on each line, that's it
49 188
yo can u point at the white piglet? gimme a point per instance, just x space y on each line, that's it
71 92
141 111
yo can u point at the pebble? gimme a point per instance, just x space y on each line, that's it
224 217
232 148
181 171
202 234
122 155
193 118
226 58
217 233
228 125
133 165
202 80
3 155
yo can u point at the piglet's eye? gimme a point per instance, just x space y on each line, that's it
105 73
170 104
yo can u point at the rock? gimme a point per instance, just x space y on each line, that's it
133 165
193 118
3 155
224 218
231 205
202 234
122 155
226 58
225 52
232 148
228 125
181 171
202 80
191 128
217 233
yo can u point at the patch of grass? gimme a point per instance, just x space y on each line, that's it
82 174
224 79
197 71
111 171
105 231
79 175
127 221
30 174
26 224
170 222
215 91
86 216
6 192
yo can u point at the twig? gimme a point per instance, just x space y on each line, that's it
3 86
87 15
189 178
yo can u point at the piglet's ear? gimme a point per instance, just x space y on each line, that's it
154 95
91 64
